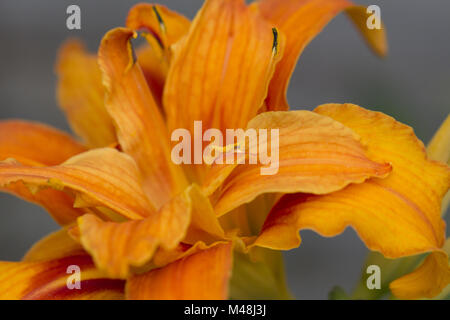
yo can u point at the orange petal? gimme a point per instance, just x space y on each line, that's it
35 144
48 280
98 178
118 246
301 21
166 25
139 239
375 38
140 127
427 281
163 257
398 216
204 225
154 65
201 276
316 155
225 62
81 95
54 246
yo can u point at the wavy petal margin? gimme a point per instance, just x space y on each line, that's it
166 25
118 247
98 178
427 281
161 28
316 155
140 126
398 215
35 144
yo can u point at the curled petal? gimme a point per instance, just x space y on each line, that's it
35 144
375 38
164 28
118 246
398 215
98 178
81 95
48 280
301 21
140 126
225 62
166 25
427 281
201 276
316 155
164 257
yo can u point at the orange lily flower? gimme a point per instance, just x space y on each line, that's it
140 226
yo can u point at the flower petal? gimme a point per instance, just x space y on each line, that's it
427 281
35 144
116 247
155 65
81 95
398 215
438 149
166 25
204 225
48 280
164 257
316 155
140 126
201 276
54 246
225 62
98 178
301 21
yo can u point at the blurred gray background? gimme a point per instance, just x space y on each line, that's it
412 84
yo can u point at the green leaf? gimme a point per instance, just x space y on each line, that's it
259 275
337 293
391 269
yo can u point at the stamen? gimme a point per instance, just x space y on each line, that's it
131 53
228 148
162 26
275 41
